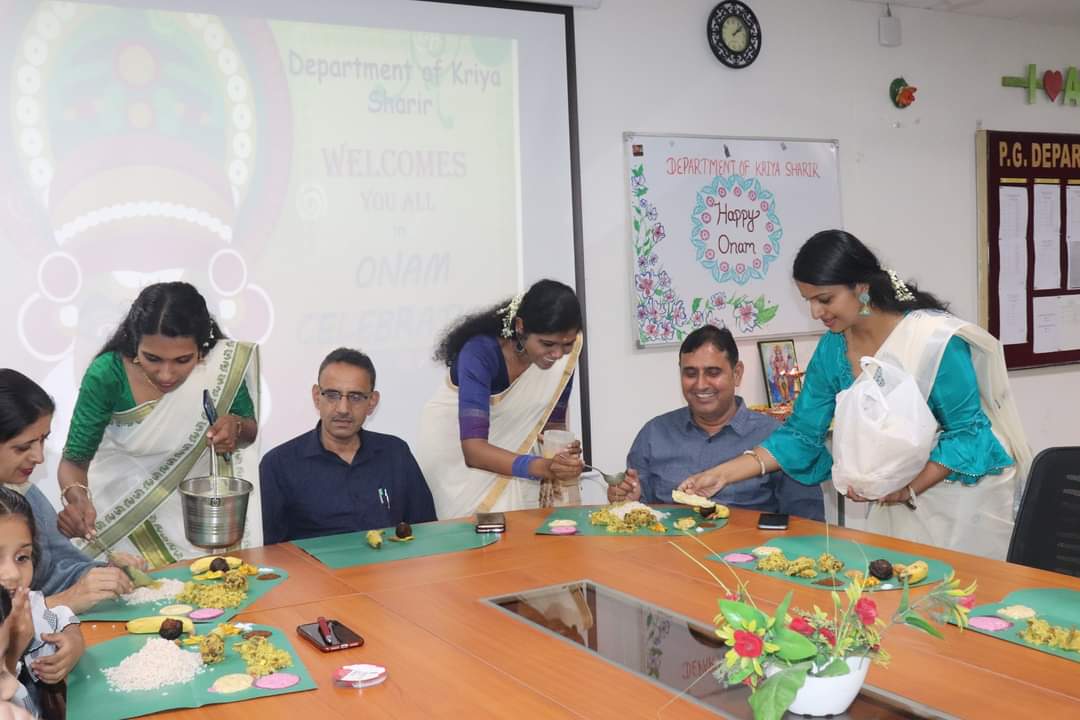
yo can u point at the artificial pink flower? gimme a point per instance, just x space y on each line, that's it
828 635
968 601
866 609
747 644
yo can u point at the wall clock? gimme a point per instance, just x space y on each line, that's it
734 34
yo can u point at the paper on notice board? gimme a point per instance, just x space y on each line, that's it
1072 236
1046 317
1069 334
1057 323
1012 211
1047 236
1012 265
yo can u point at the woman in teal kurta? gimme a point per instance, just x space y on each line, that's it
139 429
966 446
963 497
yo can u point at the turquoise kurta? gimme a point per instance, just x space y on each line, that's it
966 446
104 391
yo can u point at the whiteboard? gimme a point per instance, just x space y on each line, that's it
715 224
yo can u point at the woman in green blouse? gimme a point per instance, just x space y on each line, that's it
139 429
963 497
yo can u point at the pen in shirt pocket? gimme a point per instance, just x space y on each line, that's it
384 498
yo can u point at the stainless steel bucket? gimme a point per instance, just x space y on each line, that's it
215 509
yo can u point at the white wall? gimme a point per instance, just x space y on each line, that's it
907 177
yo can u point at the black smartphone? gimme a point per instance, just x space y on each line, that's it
340 636
773 521
490 522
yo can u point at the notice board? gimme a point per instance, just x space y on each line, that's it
1029 244
715 223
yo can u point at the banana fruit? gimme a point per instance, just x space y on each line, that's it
198 567
148 625
916 572
374 539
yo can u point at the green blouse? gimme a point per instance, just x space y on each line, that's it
104 392
966 446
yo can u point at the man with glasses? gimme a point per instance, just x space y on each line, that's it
340 477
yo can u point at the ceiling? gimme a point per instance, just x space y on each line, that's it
1047 12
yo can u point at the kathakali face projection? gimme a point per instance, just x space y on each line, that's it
140 147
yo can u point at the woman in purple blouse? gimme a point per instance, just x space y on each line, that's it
510 372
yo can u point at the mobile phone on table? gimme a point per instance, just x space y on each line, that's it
490 522
329 635
773 521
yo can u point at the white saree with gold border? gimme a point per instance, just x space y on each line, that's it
146 452
518 416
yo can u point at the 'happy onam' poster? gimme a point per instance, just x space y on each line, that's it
715 225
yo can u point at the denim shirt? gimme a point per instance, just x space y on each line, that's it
670 448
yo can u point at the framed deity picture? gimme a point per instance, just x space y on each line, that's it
777 365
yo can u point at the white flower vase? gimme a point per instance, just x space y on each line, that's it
821 696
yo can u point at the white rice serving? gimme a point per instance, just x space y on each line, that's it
159 663
167 589
619 510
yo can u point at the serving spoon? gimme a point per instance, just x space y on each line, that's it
610 479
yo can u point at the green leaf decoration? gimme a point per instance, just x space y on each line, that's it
834 669
781 609
760 303
767 314
915 620
793 647
637 225
739 614
774 696
695 305
639 170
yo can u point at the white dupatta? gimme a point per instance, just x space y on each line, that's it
976 519
518 415
147 451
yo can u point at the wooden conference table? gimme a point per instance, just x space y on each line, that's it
449 655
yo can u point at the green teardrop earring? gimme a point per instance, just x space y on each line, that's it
864 298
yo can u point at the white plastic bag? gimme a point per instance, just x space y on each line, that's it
883 432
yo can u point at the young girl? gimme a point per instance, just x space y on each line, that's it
43 643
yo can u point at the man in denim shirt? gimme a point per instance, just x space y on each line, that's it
715 426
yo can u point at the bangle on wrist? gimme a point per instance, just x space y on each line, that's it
910 502
521 467
760 462
63 493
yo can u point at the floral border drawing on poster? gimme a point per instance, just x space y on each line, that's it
715 225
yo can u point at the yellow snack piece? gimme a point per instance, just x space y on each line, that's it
248 569
685 523
202 564
210 575
147 625
374 538
857 577
916 572
225 630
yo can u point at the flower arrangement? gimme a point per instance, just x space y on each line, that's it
775 655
